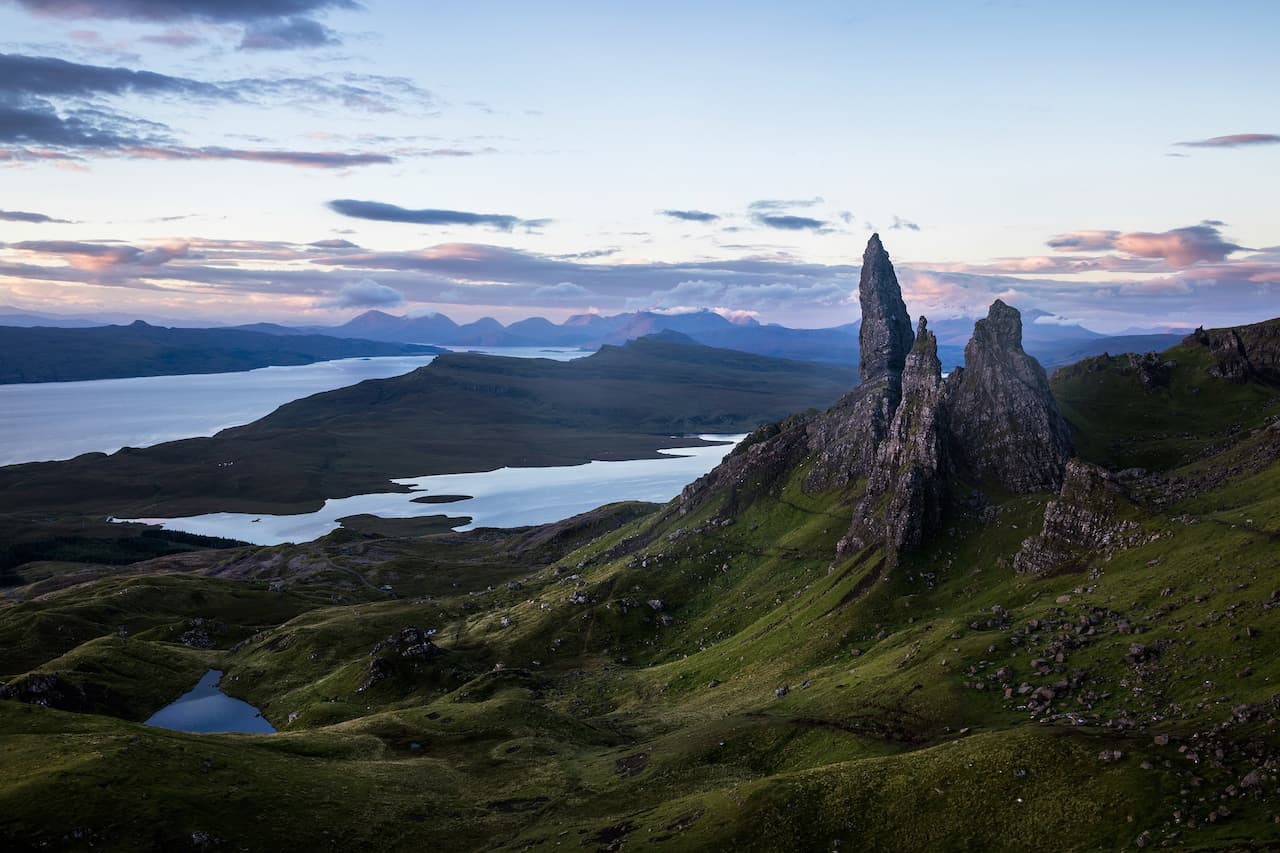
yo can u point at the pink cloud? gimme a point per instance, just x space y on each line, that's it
1180 247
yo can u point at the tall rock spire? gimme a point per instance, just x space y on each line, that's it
885 337
905 487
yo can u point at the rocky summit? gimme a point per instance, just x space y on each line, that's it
1006 426
914 439
884 338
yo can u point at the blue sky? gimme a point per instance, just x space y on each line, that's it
510 159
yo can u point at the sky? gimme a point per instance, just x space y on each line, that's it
302 161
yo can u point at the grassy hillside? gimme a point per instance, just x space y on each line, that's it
44 354
711 679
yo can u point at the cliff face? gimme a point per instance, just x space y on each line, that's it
885 337
1242 352
993 423
1079 525
846 437
1005 424
903 501
905 434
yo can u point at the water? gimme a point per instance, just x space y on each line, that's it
553 353
506 497
205 708
59 420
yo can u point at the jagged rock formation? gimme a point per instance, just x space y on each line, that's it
885 336
846 436
1242 352
1006 426
907 478
905 434
1080 524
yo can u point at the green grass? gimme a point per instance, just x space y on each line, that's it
1119 423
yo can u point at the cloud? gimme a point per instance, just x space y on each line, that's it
24 216
565 290
101 256
1055 265
267 25
788 222
1235 140
381 212
690 215
1083 241
767 204
900 224
747 298
589 254
298 277
54 109
220 11
303 159
288 34
174 38
334 243
47 76
365 293
25 77
1179 247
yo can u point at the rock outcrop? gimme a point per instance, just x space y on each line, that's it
904 496
885 336
392 656
846 437
1005 425
1080 524
1242 352
904 433
53 690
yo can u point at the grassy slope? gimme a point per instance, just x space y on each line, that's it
1118 423
603 725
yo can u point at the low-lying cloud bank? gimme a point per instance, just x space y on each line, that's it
1184 276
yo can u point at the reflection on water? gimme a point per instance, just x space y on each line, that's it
507 497
205 708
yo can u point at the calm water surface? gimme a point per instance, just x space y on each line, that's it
205 708
506 497
59 420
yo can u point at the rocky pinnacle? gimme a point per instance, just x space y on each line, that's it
885 337
1005 424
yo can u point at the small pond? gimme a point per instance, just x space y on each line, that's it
207 709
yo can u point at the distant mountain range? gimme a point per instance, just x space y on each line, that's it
1045 336
1053 342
